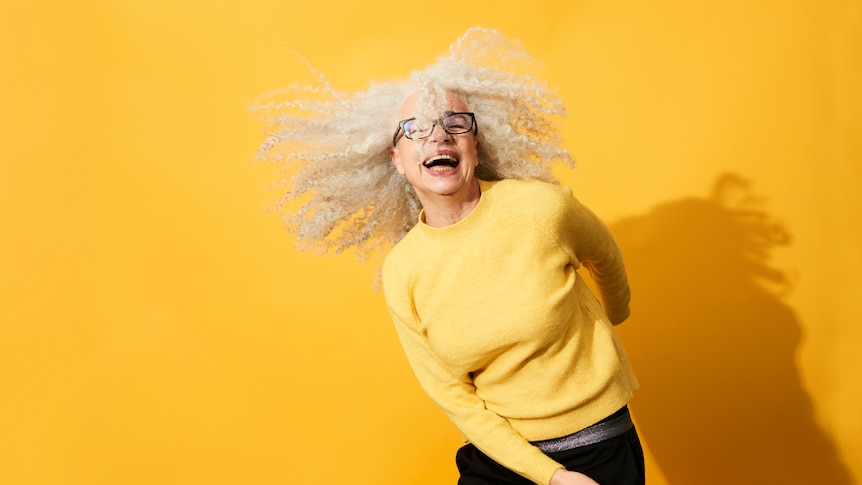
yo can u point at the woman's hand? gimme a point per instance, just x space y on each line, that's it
565 477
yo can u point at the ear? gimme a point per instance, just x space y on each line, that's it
395 156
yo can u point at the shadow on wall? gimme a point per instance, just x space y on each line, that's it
714 346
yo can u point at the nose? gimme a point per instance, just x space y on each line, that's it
439 134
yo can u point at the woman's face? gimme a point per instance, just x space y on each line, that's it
441 164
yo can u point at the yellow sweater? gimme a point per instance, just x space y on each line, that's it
501 330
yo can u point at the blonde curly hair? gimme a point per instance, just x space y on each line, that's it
342 189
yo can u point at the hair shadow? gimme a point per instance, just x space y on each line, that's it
714 346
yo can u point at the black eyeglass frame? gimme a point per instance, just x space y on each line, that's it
474 127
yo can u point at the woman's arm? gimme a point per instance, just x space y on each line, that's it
591 244
488 431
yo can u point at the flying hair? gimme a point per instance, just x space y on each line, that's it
341 189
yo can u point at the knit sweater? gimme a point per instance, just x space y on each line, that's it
501 330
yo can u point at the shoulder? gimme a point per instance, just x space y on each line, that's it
530 189
531 197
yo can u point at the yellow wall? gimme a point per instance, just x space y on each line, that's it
157 327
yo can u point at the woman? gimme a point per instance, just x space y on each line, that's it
499 327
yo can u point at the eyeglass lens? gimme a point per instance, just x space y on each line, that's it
454 124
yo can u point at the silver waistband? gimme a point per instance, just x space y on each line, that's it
596 433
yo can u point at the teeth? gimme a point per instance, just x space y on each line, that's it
442 157
441 168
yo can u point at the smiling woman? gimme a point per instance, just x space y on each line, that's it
498 325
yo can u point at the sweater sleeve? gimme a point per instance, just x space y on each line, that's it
591 244
457 397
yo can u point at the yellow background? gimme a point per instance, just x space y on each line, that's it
157 326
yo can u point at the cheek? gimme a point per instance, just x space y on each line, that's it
409 155
471 149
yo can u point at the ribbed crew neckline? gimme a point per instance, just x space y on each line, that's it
453 233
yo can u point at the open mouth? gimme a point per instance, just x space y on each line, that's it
441 163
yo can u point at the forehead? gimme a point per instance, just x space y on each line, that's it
453 102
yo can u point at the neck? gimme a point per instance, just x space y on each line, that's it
445 210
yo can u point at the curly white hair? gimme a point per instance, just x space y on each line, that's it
342 190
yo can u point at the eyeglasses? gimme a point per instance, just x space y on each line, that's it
453 123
